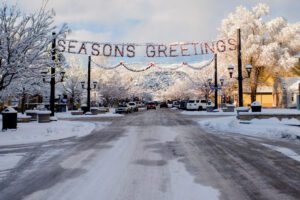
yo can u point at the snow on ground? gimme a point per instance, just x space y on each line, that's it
285 151
264 111
277 111
204 113
122 169
271 128
68 115
8 162
41 132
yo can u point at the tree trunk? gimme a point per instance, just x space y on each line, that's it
254 82
23 103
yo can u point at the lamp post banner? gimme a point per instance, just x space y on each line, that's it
150 50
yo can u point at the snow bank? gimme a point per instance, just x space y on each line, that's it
68 115
271 128
204 113
285 151
264 111
41 132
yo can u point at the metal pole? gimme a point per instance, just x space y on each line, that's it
89 86
240 75
216 81
52 81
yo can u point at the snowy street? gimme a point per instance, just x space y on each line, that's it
153 155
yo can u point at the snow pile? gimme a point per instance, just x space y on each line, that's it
273 112
204 113
271 128
68 115
285 151
42 132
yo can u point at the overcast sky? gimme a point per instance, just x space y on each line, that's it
152 20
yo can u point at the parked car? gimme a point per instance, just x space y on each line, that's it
182 104
123 108
163 104
133 106
175 104
151 105
139 104
198 104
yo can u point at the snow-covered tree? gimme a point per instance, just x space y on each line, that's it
25 42
23 88
296 69
269 46
114 90
73 76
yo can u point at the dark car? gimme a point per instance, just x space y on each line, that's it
182 104
163 104
151 105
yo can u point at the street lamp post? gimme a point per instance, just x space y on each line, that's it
52 80
240 77
240 74
216 86
88 103
53 76
216 81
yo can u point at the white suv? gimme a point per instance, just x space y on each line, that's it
199 104
133 106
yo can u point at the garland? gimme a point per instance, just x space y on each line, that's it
122 64
151 64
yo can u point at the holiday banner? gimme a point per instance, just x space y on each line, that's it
150 50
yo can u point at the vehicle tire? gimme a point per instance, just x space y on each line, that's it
200 108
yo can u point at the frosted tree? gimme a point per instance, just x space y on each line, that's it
269 46
74 75
114 89
24 88
25 42
296 69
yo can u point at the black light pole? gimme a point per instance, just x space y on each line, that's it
216 82
89 86
52 80
240 74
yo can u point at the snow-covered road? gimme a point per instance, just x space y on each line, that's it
151 155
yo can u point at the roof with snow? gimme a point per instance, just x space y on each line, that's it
291 83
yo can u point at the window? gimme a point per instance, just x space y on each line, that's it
191 101
203 101
293 97
197 101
